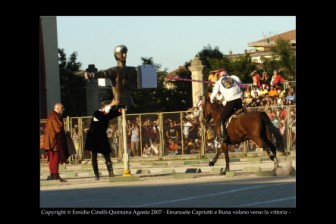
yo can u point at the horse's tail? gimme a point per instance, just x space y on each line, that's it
280 144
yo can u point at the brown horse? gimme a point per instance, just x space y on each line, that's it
255 126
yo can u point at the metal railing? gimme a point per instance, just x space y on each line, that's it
163 134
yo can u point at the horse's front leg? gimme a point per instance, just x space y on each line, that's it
214 160
225 149
219 151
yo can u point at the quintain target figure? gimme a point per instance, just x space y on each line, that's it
123 78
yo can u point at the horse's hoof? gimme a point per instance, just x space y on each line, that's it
223 173
211 163
272 157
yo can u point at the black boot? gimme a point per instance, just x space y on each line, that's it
95 169
57 177
223 133
110 169
51 177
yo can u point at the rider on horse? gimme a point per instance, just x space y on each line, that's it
228 86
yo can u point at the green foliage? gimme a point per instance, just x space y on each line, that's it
242 67
149 61
180 98
73 92
162 99
217 63
287 58
208 53
61 58
270 64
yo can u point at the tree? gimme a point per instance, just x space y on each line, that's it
145 98
149 61
269 64
286 57
73 92
242 67
208 53
162 99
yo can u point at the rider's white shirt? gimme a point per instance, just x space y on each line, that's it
229 94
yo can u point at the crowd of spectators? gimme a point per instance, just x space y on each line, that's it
182 132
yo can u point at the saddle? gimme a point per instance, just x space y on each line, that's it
239 111
235 115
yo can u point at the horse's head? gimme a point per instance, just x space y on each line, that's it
207 110
211 110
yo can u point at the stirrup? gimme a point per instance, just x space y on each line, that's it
220 139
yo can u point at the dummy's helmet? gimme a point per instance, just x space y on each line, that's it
120 48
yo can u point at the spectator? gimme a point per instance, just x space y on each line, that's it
256 101
247 93
256 79
277 79
135 140
187 127
290 97
42 152
147 150
263 91
55 141
275 121
273 92
255 90
265 80
213 77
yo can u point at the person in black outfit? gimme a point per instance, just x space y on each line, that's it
96 140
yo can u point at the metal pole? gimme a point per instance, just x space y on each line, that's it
80 139
67 123
126 165
162 142
203 133
288 129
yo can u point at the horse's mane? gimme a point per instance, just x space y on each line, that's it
215 105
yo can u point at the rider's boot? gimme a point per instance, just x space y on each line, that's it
223 137
224 134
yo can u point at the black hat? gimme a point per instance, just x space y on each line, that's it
91 68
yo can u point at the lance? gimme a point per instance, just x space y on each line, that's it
244 86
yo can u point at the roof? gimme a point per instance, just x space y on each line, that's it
289 35
173 73
261 53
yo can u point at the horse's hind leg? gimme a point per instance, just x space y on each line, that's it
272 153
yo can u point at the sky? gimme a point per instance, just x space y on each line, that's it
169 40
